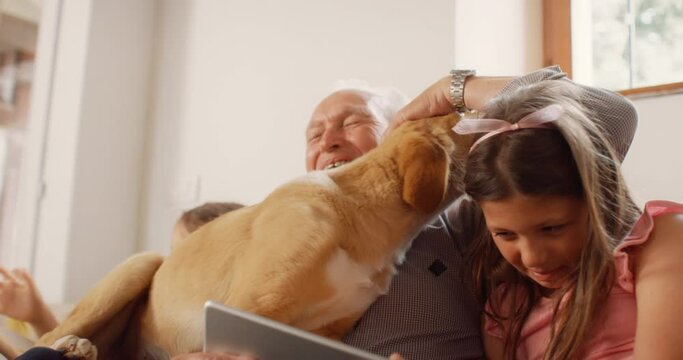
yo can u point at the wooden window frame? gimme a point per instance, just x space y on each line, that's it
557 48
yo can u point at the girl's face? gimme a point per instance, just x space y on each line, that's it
541 236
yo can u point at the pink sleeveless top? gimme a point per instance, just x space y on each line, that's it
614 337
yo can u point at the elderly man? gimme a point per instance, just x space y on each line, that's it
428 313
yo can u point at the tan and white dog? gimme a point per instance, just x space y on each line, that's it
314 254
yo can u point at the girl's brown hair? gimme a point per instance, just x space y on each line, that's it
576 161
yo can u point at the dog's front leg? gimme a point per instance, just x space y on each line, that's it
103 313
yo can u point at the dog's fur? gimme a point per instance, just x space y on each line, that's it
314 254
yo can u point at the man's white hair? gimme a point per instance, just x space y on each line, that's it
383 102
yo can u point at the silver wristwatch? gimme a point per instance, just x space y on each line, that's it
458 89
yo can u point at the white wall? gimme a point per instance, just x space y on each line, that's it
236 83
499 37
95 143
654 165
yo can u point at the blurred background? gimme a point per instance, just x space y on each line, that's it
115 115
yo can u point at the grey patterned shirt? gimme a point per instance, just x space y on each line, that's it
428 314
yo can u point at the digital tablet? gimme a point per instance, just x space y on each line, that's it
235 331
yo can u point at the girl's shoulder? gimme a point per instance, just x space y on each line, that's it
655 213
655 228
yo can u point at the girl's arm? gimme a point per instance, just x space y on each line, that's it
659 291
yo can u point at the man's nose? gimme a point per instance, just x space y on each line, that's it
331 139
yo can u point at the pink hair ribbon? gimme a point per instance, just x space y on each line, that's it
535 120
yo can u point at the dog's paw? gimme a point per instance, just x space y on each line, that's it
75 348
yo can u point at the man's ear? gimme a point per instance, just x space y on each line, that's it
424 167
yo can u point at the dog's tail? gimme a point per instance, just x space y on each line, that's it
102 315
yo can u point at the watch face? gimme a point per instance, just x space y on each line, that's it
463 73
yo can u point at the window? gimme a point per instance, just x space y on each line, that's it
635 46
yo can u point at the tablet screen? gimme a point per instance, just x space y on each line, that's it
235 331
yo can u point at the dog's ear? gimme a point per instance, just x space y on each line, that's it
424 167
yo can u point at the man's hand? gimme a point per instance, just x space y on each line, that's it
212 356
217 356
434 101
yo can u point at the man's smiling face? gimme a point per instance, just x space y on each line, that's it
341 129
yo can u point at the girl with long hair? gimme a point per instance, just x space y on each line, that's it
566 266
